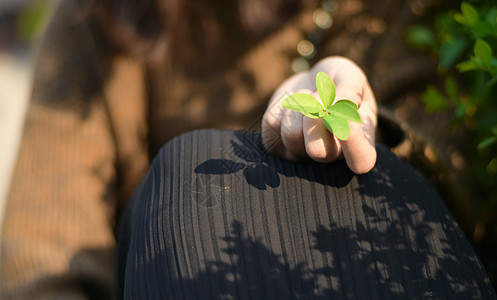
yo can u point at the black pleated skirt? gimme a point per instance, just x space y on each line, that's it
219 218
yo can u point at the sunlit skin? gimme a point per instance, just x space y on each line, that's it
291 135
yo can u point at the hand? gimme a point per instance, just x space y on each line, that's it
291 135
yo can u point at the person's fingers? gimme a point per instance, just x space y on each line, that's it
292 135
271 131
358 149
288 134
320 144
369 114
271 121
359 154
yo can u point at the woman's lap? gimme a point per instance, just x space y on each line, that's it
218 218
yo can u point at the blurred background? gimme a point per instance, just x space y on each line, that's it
21 24
460 36
462 39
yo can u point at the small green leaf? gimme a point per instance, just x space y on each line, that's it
433 99
461 110
451 89
487 142
346 110
466 66
303 103
339 127
335 116
420 36
460 18
469 12
349 103
492 167
32 18
326 89
483 51
451 51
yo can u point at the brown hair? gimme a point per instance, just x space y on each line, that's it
146 26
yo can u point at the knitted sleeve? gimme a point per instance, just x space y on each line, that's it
58 240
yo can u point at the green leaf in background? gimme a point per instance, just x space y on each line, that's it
451 89
466 49
32 19
468 15
433 99
459 18
487 142
467 66
303 103
451 51
326 89
420 36
483 52
492 167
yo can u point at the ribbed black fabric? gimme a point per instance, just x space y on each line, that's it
217 218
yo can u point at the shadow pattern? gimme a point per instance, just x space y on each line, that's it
320 233
247 154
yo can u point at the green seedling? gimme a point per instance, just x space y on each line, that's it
335 116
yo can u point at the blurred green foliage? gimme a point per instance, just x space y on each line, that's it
32 19
464 41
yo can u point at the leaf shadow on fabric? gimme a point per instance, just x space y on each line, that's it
260 169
